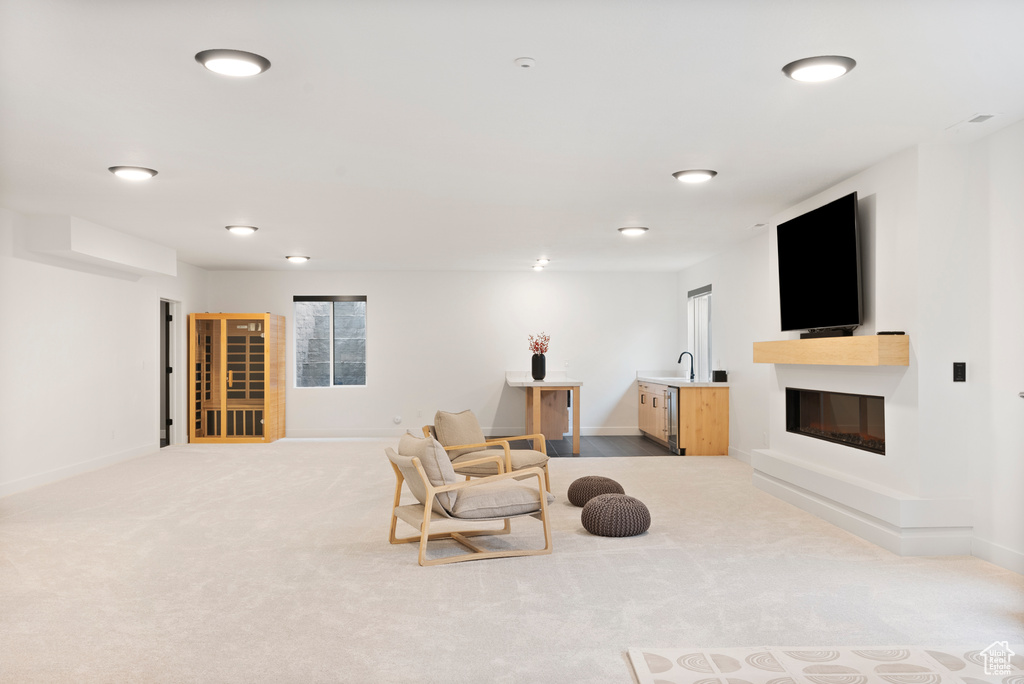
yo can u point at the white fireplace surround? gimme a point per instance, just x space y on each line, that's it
904 524
879 497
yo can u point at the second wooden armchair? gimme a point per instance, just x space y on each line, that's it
464 440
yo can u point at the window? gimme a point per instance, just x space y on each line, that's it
330 340
698 309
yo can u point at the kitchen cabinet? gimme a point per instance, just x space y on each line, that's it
692 418
653 418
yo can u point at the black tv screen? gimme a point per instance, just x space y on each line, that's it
819 268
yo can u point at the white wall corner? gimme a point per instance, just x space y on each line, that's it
999 555
740 454
70 237
901 523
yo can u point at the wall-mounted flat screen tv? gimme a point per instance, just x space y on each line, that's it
819 269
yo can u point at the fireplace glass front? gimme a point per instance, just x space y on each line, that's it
856 420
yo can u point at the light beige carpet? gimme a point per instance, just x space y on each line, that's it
995 663
270 563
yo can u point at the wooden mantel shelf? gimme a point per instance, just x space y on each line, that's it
858 350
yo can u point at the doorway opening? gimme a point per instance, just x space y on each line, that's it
170 394
166 368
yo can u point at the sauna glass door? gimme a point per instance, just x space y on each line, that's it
230 377
245 377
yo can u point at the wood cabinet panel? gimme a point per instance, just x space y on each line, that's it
652 418
704 421
554 414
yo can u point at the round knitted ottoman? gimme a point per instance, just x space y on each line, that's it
615 515
586 488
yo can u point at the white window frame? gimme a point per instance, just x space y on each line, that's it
698 329
297 299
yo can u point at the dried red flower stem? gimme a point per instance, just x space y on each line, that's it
539 344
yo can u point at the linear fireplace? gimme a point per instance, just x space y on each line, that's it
856 420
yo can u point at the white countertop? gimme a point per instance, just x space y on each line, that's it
552 379
675 381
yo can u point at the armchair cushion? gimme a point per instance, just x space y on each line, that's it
458 428
436 465
521 458
498 499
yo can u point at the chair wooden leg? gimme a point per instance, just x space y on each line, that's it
398 498
425 528
544 515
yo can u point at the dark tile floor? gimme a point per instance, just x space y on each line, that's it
591 447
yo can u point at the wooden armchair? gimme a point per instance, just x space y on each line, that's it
424 466
461 436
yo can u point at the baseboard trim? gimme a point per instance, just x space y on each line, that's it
609 432
998 555
50 476
353 433
740 455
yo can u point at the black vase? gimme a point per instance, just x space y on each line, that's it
539 367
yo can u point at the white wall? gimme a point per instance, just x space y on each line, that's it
995 369
79 358
745 309
740 315
943 257
443 340
888 214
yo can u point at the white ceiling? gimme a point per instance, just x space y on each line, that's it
399 134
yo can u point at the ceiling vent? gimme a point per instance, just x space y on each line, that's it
972 119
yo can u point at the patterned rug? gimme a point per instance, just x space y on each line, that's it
998 663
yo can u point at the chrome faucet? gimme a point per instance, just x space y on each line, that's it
686 353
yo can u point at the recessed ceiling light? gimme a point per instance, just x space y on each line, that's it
817 69
538 267
695 175
242 230
233 62
633 231
525 62
295 259
543 262
132 173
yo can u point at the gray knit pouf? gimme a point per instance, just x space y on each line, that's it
615 515
586 488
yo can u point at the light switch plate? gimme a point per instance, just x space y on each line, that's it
959 371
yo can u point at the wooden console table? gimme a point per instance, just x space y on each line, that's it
545 404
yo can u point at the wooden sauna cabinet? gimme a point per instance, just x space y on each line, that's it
238 377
